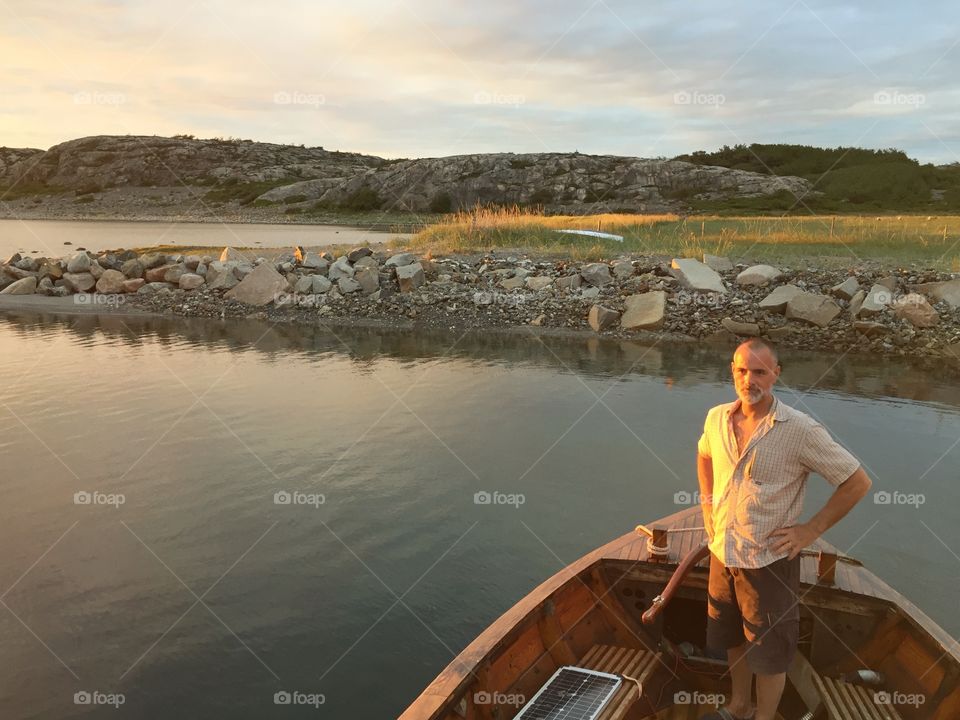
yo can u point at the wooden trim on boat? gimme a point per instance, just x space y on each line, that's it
854 589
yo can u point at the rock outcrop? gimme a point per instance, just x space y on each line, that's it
301 177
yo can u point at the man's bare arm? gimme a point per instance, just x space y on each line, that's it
845 497
705 477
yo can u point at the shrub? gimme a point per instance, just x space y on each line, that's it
441 203
364 198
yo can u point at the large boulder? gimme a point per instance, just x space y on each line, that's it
759 275
321 284
368 279
24 286
400 259
410 277
596 274
173 274
341 269
539 282
233 254
221 276
569 282
847 289
740 328
948 292
111 282
696 276
132 268
190 281
133 285
79 263
314 262
52 269
600 318
79 282
717 262
777 300
157 274
645 311
915 309
357 253
812 308
875 301
152 260
260 287
348 285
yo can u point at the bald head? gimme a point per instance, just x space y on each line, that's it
755 369
760 345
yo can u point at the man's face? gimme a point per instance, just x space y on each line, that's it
754 373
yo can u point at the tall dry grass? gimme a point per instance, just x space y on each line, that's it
908 239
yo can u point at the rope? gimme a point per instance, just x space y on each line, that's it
638 683
662 550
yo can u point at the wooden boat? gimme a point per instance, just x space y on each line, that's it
591 615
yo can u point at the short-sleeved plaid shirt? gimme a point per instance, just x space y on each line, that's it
761 489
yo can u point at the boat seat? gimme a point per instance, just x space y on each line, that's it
846 701
637 663
839 699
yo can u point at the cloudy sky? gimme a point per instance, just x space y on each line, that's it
417 78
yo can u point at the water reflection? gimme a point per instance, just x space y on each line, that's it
679 364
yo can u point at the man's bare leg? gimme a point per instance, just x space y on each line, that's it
741 702
769 692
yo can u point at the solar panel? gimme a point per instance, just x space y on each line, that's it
572 693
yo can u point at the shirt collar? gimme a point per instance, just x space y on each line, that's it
778 412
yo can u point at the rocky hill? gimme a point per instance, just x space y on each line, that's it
103 171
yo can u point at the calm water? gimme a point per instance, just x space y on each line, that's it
47 237
201 597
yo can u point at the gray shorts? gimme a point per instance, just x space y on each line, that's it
759 607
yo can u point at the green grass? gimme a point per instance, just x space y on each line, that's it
924 240
244 192
28 189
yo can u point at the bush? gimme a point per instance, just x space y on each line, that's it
364 198
441 203
543 196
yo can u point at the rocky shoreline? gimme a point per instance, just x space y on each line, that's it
904 312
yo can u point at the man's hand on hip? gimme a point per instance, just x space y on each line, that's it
793 539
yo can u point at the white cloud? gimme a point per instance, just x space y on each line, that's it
401 77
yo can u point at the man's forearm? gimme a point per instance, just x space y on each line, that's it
843 500
705 479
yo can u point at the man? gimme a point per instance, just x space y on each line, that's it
753 461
